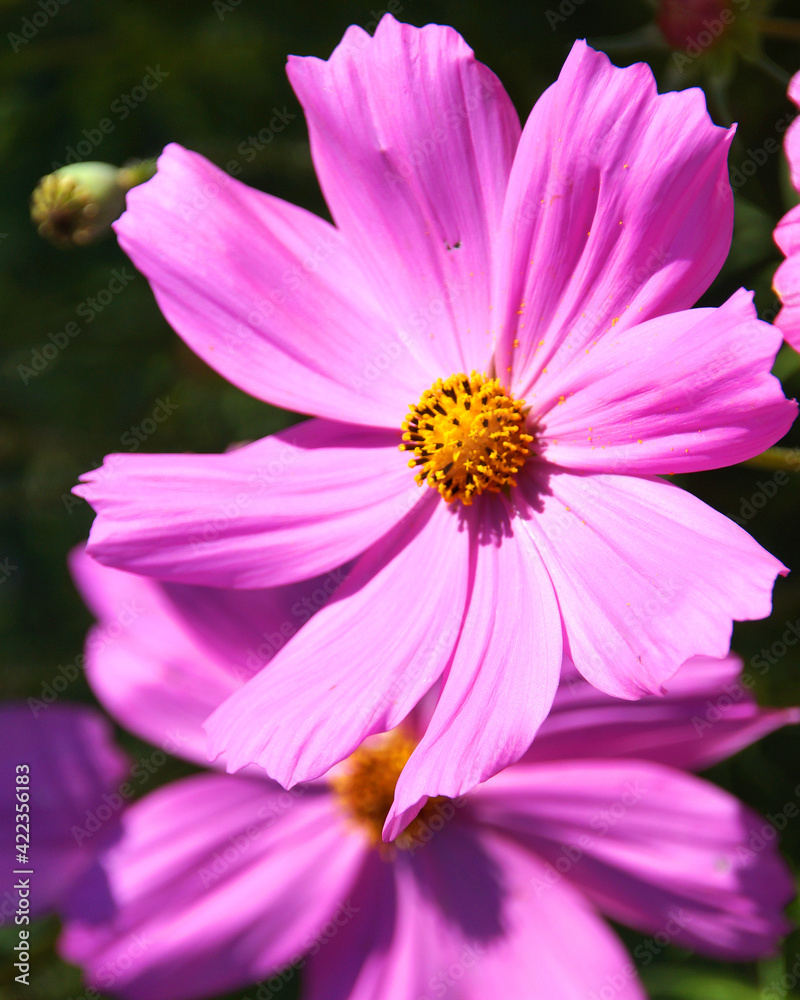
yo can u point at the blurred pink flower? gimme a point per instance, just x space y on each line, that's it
519 305
63 755
787 236
219 880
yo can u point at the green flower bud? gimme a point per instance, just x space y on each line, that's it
76 204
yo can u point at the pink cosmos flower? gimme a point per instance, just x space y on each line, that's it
787 236
64 757
513 311
220 880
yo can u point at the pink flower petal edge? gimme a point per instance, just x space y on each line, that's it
787 235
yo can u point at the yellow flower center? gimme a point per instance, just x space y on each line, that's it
366 790
467 436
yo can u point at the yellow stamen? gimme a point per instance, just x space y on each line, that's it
467 436
366 790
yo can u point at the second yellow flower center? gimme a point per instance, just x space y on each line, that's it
365 791
467 436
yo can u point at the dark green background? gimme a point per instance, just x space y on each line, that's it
225 78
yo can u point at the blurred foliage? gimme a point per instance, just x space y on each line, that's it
223 74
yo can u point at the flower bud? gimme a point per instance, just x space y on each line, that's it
687 24
718 30
76 204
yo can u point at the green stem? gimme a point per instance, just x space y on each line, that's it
784 459
778 27
771 68
136 173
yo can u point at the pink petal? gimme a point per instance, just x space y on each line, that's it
286 508
413 141
554 944
368 958
787 232
503 678
462 916
362 663
656 849
415 923
793 134
684 392
63 756
706 715
646 574
163 656
267 294
786 281
215 883
402 942
243 629
618 210
787 235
